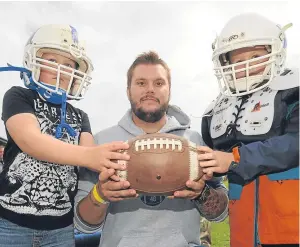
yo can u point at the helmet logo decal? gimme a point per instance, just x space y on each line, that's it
74 34
232 37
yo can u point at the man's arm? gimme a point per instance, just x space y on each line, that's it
213 200
91 210
213 203
87 207
89 214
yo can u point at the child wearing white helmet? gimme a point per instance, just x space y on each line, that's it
47 139
254 122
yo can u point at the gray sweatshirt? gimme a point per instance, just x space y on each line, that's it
147 221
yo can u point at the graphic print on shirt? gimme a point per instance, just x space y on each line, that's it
39 187
152 200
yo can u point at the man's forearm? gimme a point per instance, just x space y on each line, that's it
90 211
213 204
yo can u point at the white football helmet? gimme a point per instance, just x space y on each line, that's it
61 40
248 30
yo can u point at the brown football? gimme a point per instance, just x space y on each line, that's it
160 164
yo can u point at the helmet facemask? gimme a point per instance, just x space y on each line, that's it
78 80
60 40
249 31
248 76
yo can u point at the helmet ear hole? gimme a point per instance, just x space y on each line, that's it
224 59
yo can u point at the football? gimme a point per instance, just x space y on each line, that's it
160 164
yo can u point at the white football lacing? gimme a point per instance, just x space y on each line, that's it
158 143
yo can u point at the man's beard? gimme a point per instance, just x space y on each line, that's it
149 117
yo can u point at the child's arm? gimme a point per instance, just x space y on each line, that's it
26 133
23 127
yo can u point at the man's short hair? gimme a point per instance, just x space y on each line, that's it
150 57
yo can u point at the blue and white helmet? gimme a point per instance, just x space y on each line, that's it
61 40
248 30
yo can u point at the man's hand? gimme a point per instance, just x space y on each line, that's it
214 161
114 191
195 188
99 158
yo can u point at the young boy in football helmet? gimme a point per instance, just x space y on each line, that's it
254 123
47 139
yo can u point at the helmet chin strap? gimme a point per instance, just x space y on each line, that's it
63 125
54 98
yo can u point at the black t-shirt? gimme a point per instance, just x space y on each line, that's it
33 193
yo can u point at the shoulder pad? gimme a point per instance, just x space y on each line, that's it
211 106
287 80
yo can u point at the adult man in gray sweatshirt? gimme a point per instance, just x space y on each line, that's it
131 220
